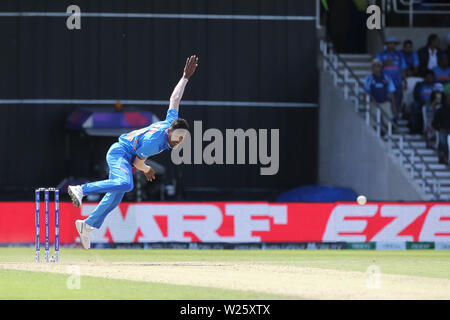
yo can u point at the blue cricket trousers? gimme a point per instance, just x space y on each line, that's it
120 181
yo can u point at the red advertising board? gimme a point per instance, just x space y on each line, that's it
238 222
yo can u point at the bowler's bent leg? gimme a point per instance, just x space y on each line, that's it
116 181
120 181
108 203
120 173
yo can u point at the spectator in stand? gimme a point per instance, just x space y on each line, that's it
428 54
422 93
442 71
439 87
394 66
411 58
447 85
428 111
441 123
381 89
448 43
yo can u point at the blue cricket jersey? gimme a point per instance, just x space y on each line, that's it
425 92
411 60
150 140
393 70
379 87
442 76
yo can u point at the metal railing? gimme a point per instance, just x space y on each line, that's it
401 7
410 11
332 61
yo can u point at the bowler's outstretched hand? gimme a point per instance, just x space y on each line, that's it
191 65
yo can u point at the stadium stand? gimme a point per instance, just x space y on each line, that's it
423 160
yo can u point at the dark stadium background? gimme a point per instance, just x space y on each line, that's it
114 58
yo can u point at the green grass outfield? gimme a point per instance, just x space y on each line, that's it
19 284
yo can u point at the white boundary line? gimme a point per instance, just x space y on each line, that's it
160 16
210 103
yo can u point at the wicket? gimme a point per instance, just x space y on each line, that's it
46 229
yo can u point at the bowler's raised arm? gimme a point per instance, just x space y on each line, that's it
177 94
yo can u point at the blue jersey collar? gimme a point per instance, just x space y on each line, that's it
166 142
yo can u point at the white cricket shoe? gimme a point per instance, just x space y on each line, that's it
76 194
84 230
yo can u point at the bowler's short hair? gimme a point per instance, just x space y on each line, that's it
179 124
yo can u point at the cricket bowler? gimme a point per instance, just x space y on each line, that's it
132 149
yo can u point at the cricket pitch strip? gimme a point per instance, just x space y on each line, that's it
292 281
